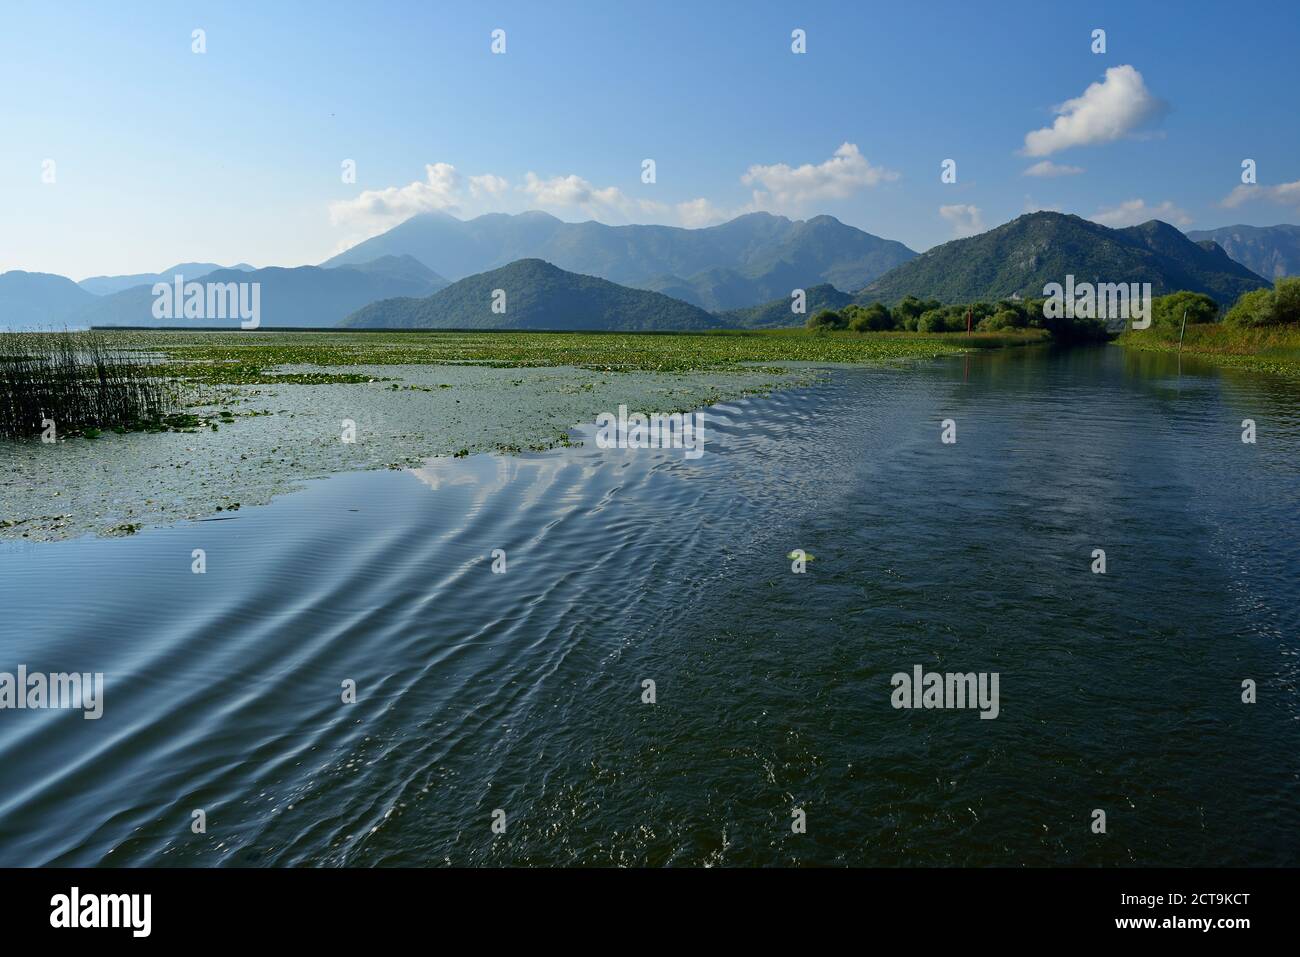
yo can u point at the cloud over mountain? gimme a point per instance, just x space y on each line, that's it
964 218
1134 211
780 186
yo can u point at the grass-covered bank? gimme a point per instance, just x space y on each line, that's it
1271 349
1261 332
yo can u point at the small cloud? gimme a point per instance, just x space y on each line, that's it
1048 168
1135 211
1106 111
1283 194
605 203
701 212
964 219
787 187
487 185
378 209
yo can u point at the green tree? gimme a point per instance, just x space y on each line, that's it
1286 299
1003 319
909 307
851 317
874 318
1255 308
826 319
933 320
1167 311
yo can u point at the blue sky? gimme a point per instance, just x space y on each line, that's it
164 155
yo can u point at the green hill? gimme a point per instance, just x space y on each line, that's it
39 300
537 296
776 314
1022 256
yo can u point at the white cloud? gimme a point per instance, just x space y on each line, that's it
964 219
488 184
606 203
1105 112
611 204
1284 194
1135 211
378 209
701 212
1048 168
787 187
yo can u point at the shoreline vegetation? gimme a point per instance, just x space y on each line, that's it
80 384
139 380
132 380
1259 333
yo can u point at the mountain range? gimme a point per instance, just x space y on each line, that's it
739 263
31 300
1020 257
107 285
298 296
739 274
1271 251
534 294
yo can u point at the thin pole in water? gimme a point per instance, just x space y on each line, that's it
1181 331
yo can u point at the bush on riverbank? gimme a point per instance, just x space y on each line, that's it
1278 306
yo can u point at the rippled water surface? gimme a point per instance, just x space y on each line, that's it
523 691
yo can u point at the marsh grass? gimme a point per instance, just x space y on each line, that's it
1273 349
81 382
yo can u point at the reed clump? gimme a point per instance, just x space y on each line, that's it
78 382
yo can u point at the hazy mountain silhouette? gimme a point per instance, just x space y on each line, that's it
39 300
107 285
743 262
1271 251
298 296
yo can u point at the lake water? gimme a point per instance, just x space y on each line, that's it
523 691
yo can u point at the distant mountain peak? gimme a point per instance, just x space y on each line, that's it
747 260
1270 251
1033 249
